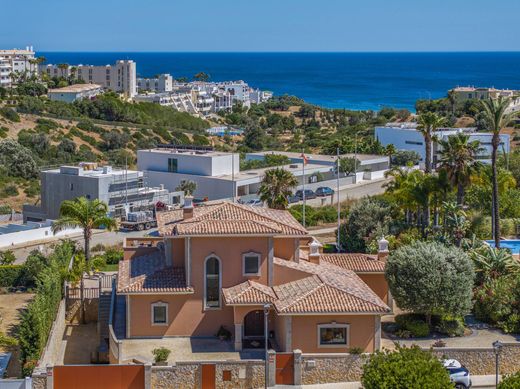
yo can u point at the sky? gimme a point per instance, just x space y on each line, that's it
261 25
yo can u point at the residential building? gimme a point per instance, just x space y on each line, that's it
258 96
220 264
468 93
5 73
123 190
218 175
120 77
75 92
17 61
160 84
406 136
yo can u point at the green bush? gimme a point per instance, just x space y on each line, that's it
511 381
405 368
495 299
9 114
414 324
9 190
161 354
113 255
7 257
451 327
12 276
39 315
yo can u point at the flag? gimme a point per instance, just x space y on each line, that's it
305 159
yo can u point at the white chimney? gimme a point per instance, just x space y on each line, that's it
188 208
382 252
314 253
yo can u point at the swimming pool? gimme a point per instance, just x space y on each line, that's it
513 245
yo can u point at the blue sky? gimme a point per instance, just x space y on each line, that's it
261 25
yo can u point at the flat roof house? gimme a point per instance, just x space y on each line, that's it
75 92
219 264
123 190
218 175
406 136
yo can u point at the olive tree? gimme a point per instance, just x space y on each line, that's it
405 368
432 279
17 160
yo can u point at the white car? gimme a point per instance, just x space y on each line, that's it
459 375
255 203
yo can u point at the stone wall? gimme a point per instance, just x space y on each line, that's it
481 361
329 368
52 354
187 375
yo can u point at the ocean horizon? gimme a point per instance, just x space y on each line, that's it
351 80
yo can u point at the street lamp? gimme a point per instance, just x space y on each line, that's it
266 315
497 347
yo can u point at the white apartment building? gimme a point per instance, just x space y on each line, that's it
18 61
162 83
5 73
406 136
120 77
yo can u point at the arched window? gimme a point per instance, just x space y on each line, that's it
212 282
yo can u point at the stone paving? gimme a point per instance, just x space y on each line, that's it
187 349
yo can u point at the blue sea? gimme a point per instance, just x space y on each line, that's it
335 80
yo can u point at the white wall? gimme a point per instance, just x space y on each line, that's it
31 235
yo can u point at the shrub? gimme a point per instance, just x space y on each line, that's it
161 354
355 350
432 279
451 327
414 324
9 114
37 319
7 257
17 160
494 300
439 343
113 255
511 381
7 341
97 263
9 190
365 218
12 276
405 368
223 333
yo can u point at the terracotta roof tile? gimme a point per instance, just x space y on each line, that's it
149 274
226 218
360 263
249 292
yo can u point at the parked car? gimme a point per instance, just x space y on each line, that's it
292 199
459 375
309 194
255 202
323 191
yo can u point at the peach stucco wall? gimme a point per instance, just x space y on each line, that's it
283 275
376 282
285 248
305 332
186 314
178 252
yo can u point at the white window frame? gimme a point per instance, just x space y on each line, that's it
205 307
258 258
159 304
333 325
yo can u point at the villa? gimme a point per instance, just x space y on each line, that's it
218 265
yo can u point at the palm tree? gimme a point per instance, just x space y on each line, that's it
85 214
459 159
493 263
63 67
497 116
428 123
276 187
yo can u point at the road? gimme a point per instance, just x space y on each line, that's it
348 192
107 238
351 192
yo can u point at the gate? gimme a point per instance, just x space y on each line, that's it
284 369
208 376
99 377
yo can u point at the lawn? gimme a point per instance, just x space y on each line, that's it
110 267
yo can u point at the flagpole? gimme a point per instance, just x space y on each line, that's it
303 186
339 212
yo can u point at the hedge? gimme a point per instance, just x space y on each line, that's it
12 276
40 313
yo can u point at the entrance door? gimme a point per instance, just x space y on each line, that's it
208 376
254 324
